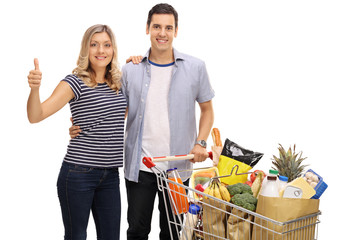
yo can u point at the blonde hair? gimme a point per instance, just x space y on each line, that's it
84 70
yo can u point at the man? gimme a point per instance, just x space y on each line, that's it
161 92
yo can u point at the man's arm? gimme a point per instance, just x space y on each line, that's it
205 124
74 131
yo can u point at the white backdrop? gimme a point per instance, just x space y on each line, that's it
283 72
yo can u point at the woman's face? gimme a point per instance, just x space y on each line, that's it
101 51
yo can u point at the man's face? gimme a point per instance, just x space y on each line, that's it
162 31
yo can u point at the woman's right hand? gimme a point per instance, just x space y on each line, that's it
34 77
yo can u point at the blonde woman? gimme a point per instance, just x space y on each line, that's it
89 177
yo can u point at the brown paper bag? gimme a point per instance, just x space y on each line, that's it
214 219
239 225
283 210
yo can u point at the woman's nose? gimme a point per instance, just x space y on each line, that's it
101 49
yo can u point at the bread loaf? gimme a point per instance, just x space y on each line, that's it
215 133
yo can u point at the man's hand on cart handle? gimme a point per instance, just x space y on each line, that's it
200 154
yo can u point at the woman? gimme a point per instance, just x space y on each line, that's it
89 177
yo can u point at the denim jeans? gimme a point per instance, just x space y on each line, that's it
84 189
141 197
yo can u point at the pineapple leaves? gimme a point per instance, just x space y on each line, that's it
289 163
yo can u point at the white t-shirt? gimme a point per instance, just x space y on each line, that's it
156 132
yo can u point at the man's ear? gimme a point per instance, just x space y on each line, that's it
147 29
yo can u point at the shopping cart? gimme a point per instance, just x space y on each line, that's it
219 219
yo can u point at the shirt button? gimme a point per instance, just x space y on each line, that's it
142 100
140 116
146 85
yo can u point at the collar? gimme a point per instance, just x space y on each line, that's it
177 55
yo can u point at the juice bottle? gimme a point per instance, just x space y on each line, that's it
178 193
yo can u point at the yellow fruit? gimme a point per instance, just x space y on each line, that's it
211 192
224 193
255 188
206 191
217 191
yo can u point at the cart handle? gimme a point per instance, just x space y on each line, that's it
149 161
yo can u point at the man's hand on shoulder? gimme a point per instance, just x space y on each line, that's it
135 59
74 131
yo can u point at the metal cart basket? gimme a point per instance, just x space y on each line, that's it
219 219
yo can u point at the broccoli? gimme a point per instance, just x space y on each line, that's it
239 188
245 200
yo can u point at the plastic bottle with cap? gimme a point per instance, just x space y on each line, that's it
191 222
177 191
270 187
283 181
271 173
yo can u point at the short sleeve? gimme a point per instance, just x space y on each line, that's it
124 82
75 84
206 93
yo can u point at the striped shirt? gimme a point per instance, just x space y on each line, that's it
100 113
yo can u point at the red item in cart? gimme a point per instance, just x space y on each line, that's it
177 192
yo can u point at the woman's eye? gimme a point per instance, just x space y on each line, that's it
108 45
93 45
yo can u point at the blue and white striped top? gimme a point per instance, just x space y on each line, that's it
100 113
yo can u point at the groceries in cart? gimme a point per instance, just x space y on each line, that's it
232 201
200 179
306 185
217 147
180 202
234 155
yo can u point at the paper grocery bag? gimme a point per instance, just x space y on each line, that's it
239 225
214 219
283 210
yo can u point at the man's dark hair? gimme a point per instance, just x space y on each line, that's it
162 8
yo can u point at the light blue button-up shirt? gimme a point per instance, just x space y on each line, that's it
189 84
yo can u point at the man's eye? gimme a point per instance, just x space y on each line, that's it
169 28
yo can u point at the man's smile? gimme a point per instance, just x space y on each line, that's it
161 41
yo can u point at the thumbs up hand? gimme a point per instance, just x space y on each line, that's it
34 77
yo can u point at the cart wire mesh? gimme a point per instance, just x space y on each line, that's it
219 219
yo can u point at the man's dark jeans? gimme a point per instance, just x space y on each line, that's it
141 197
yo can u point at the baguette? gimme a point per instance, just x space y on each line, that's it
215 133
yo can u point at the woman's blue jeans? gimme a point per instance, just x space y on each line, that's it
84 189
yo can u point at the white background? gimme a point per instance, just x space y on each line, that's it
283 72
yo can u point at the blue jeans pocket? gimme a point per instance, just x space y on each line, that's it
80 169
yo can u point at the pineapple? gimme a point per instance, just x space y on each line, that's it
289 163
